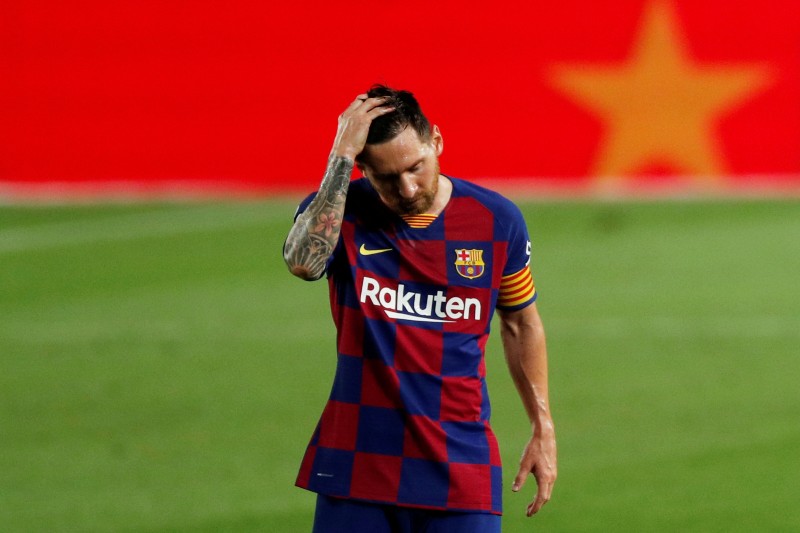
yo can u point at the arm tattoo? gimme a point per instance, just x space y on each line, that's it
316 231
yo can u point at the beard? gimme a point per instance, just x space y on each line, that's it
423 200
421 203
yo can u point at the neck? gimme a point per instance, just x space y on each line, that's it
442 195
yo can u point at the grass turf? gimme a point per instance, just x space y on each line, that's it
160 370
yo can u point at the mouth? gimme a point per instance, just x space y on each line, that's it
417 205
411 207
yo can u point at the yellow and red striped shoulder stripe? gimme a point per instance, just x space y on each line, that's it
419 221
516 289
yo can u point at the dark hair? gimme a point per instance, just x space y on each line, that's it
406 113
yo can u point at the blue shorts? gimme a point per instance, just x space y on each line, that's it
337 515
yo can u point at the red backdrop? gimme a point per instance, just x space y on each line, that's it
246 94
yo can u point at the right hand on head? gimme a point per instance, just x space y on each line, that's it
354 122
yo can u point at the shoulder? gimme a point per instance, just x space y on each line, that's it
504 210
360 189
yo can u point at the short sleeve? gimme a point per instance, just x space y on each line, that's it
517 289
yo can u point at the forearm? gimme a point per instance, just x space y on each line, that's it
526 354
316 231
313 237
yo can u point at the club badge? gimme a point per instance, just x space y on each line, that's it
469 263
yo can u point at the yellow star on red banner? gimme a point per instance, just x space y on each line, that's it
660 106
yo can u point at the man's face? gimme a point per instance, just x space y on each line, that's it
404 171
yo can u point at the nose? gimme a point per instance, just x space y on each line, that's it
407 187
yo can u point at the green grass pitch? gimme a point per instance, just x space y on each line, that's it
161 371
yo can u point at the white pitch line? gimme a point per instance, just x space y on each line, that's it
160 223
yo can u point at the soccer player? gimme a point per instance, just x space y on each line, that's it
416 263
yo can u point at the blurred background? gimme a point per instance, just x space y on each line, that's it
160 370
206 95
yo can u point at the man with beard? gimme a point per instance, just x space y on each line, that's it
416 262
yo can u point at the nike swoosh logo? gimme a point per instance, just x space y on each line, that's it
363 250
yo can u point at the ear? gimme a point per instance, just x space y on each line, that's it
437 140
361 167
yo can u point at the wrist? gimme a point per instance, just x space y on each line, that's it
337 176
347 153
543 426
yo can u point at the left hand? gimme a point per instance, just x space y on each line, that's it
539 459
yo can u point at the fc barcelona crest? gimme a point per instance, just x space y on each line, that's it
469 263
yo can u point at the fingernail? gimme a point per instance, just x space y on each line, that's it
515 487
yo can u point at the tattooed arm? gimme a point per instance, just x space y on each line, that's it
316 231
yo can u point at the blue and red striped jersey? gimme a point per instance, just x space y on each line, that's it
407 421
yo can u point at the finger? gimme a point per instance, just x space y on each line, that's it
378 111
534 506
542 497
357 102
519 481
362 104
532 509
370 104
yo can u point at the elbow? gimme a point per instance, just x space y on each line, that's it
306 261
301 270
304 273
